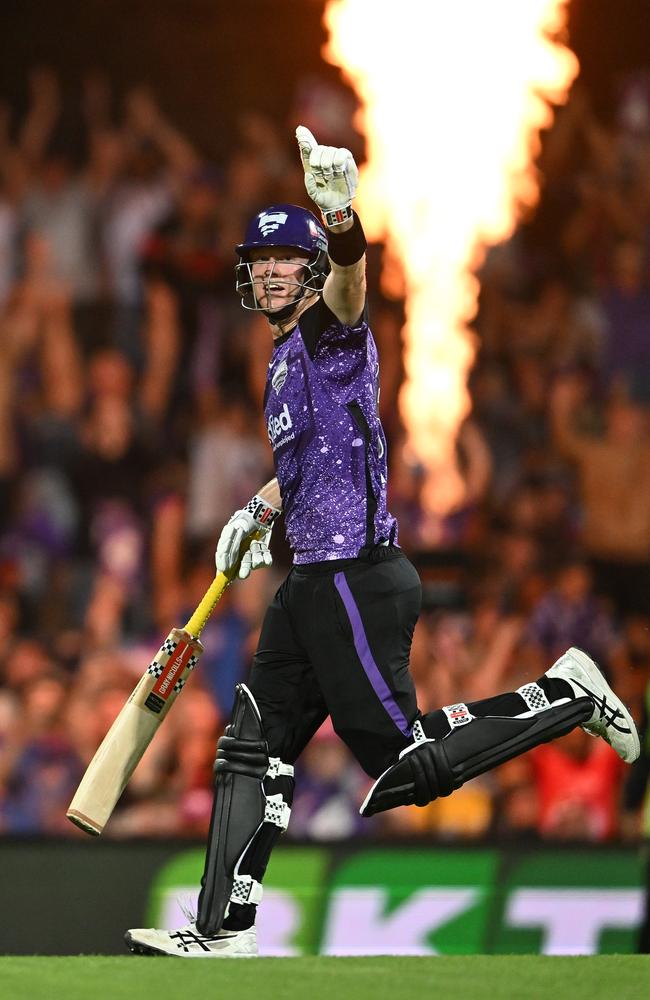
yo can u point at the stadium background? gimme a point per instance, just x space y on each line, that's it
133 145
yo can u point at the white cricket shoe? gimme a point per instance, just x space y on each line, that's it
188 942
611 719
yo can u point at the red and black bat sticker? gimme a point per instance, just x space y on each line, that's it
165 683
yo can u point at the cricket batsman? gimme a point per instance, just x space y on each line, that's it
336 639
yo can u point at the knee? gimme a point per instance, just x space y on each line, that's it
373 754
375 765
373 768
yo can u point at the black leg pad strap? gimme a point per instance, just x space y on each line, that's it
240 756
238 808
433 768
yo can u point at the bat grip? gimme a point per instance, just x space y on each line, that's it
198 621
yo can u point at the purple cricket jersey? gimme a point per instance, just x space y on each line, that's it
328 444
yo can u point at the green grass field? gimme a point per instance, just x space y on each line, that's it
503 977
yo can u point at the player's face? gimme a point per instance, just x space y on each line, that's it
277 274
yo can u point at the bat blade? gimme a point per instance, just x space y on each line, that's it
126 741
132 731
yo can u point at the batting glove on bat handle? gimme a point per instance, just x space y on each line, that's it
256 556
331 177
255 519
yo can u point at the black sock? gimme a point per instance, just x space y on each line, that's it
555 688
242 915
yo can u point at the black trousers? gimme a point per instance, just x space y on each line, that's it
336 641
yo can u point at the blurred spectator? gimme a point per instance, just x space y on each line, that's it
228 442
571 615
134 172
108 477
578 782
185 270
614 475
466 814
330 788
513 569
8 238
497 413
625 302
41 769
225 660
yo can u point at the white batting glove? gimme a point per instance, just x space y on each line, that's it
256 556
258 515
331 177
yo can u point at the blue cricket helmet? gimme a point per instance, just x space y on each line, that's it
283 226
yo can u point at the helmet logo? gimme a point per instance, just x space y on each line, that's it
317 234
270 221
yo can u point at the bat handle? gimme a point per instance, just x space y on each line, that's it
197 622
199 619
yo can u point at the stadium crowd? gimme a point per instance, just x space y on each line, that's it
130 382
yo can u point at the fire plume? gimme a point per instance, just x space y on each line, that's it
452 100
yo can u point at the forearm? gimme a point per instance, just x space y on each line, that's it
345 287
162 340
177 149
568 442
271 493
41 117
147 121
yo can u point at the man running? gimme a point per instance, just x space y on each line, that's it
336 639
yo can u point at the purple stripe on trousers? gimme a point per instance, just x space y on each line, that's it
364 653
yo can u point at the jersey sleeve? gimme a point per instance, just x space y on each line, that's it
320 328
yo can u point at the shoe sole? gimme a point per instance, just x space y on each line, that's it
594 676
138 948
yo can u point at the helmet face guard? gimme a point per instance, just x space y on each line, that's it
282 226
310 278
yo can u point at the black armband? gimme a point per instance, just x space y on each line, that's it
349 247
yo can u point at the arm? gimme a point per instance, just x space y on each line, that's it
162 338
147 120
345 287
331 177
42 116
271 493
564 398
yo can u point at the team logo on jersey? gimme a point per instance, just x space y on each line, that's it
270 221
279 376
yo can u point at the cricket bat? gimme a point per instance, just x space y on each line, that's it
132 731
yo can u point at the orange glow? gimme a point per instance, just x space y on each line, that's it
453 96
